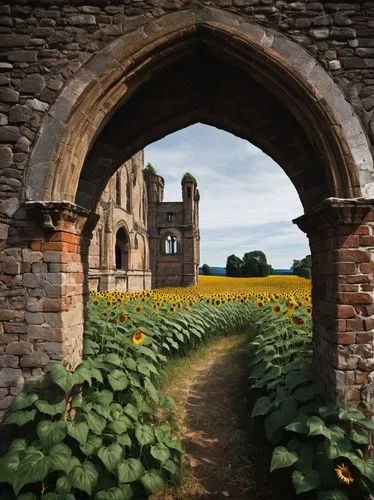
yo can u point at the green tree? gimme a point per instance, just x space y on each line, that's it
255 264
206 269
234 266
303 267
150 169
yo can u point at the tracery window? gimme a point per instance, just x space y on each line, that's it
170 217
121 250
171 245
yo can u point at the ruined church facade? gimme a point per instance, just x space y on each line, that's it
140 241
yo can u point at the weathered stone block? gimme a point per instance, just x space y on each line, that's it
35 359
6 156
19 348
6 402
23 55
11 377
9 134
19 114
81 20
32 84
37 105
7 361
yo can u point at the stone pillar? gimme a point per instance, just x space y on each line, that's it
341 238
52 273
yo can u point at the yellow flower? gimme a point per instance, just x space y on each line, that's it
122 318
276 308
296 321
138 308
137 337
344 474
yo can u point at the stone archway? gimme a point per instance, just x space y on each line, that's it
203 64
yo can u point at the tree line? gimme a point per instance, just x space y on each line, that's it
254 264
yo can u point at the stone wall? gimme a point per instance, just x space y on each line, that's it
84 85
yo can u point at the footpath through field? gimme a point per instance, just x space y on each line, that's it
225 455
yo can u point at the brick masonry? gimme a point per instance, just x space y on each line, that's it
300 81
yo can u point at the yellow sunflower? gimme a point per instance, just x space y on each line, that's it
344 474
276 308
137 337
122 318
296 321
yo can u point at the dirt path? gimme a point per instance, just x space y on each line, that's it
223 454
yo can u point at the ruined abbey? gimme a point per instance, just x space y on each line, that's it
140 241
86 84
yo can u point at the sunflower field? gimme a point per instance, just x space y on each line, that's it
103 430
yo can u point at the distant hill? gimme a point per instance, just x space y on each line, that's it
221 271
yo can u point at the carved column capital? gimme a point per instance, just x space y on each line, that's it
334 212
63 216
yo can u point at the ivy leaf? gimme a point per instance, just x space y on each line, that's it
78 431
20 418
33 467
130 470
172 468
118 380
160 452
84 477
61 376
305 481
111 456
50 409
51 433
152 481
131 411
144 434
332 495
317 427
121 424
91 445
58 496
359 436
101 397
298 424
23 400
262 406
282 458
8 467
96 422
123 493
63 484
18 445
77 400
124 440
60 457
151 391
366 466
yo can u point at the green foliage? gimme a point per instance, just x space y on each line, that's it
253 264
149 169
234 266
310 439
96 432
206 270
188 178
303 267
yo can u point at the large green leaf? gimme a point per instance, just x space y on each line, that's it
151 391
121 424
152 481
33 467
144 434
84 477
9 463
23 400
132 411
360 436
282 458
160 452
49 408
118 380
130 470
20 417
123 493
111 456
58 496
305 481
112 358
51 433
78 431
262 406
332 495
61 376
130 364
91 445
298 424
63 484
365 466
317 427
101 397
96 422
60 457
124 440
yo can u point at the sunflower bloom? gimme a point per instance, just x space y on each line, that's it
122 318
137 337
344 474
276 308
296 321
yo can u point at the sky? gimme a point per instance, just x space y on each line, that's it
246 200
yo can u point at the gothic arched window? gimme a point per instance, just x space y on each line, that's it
171 245
122 250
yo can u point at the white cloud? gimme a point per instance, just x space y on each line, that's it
241 190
